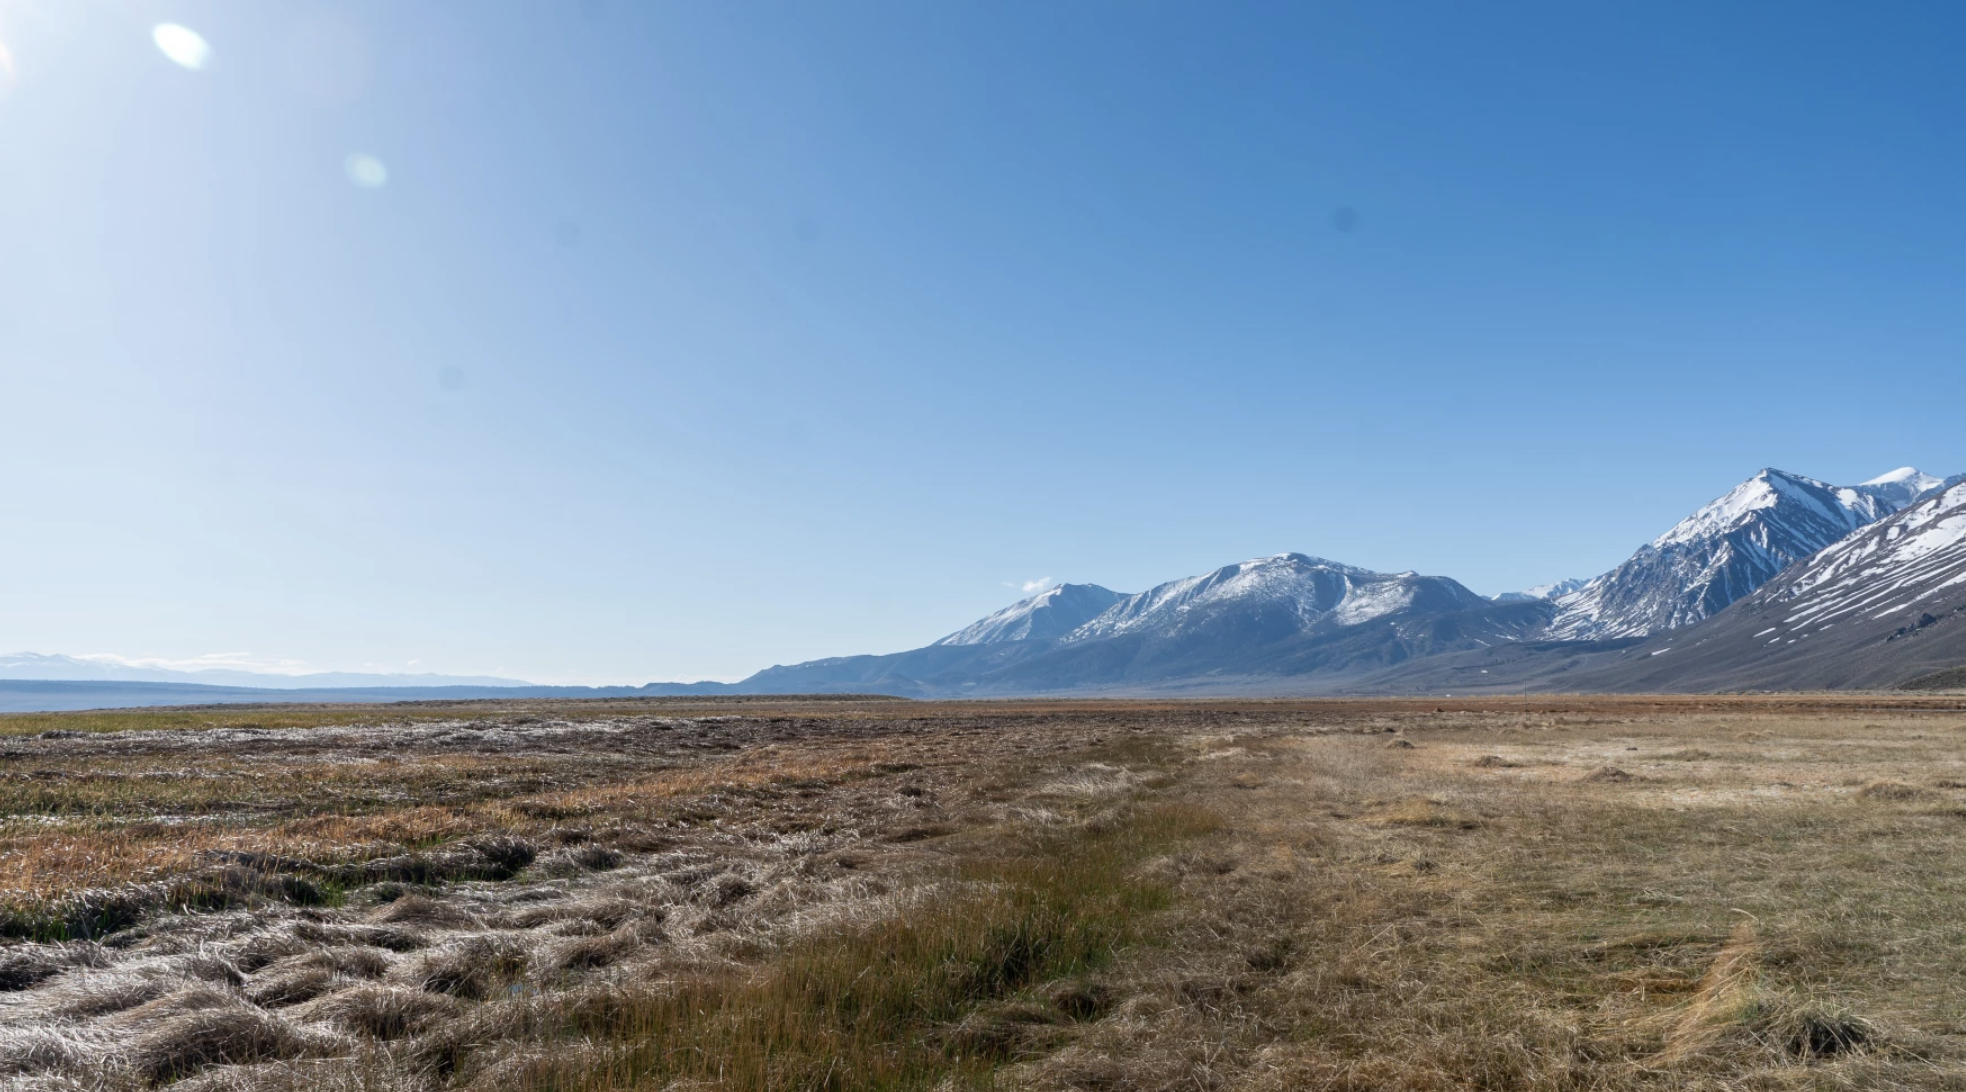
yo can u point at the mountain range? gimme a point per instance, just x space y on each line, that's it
1875 608
1885 560
1783 582
1726 550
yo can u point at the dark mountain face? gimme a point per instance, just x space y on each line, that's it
1725 551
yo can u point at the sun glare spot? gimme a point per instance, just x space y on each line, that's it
6 71
366 171
183 45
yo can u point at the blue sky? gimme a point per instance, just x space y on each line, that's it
688 338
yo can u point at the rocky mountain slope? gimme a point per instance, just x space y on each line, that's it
1877 608
1670 618
1884 606
1726 550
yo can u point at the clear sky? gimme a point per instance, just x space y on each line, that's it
680 339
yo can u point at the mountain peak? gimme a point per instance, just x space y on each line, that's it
1048 615
1539 592
1725 550
1873 609
1902 486
1904 474
1736 506
1300 588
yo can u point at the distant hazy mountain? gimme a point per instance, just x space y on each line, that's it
1902 487
1045 616
1726 550
33 665
1540 591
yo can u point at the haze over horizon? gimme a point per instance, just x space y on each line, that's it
611 342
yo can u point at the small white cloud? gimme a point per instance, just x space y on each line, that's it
366 171
1032 587
182 45
413 663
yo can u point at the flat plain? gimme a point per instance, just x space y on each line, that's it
1536 892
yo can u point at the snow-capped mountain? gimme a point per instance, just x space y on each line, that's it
1726 550
1540 591
1046 616
1292 623
1294 590
1877 608
1902 487
1898 571
1290 616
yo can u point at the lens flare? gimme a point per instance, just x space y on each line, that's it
366 171
183 45
6 72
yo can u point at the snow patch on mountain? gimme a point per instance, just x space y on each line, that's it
1902 487
1539 592
1311 589
1885 570
1048 615
1726 550
1834 506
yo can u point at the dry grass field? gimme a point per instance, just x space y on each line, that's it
1591 894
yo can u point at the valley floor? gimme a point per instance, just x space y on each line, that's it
1567 893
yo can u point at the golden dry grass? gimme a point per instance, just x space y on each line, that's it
1745 909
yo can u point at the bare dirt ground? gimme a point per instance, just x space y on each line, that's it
1497 893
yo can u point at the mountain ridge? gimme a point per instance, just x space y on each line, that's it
1725 550
1273 615
1669 617
1303 624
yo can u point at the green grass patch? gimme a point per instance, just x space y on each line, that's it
883 1005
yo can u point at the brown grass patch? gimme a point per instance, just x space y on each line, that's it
1421 811
1893 791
